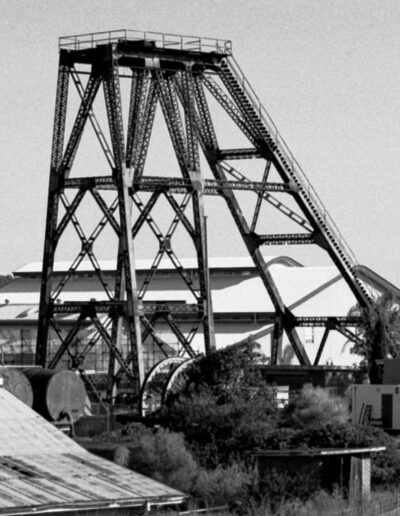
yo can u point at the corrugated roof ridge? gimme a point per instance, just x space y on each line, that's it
34 447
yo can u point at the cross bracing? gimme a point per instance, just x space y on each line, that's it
181 81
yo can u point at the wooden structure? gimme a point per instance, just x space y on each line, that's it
347 468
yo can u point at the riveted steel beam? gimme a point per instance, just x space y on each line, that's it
285 238
179 83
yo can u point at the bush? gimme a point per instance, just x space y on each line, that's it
385 465
221 370
166 457
157 453
230 485
224 428
328 435
128 433
223 408
279 485
322 503
314 405
163 456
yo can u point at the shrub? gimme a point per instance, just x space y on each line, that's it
157 453
204 424
163 455
222 369
328 435
230 485
314 405
130 432
220 429
279 485
378 332
333 504
223 409
385 465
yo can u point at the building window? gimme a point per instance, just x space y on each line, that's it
309 336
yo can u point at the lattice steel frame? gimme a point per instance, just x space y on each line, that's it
179 79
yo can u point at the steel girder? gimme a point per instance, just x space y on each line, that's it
180 84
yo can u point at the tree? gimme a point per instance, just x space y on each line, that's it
378 332
222 370
224 406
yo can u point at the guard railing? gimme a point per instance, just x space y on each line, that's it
296 169
161 40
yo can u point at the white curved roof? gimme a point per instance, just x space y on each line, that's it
230 293
223 262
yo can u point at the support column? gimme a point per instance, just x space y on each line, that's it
50 242
121 176
360 480
200 239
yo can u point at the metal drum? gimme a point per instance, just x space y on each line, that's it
18 384
58 396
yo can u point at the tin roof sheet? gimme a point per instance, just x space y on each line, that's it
41 469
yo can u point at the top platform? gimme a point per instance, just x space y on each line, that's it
165 41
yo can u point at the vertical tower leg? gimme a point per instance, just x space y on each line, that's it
276 343
200 238
114 112
50 242
117 327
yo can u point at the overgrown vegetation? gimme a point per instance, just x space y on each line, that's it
311 405
378 333
225 413
222 428
164 456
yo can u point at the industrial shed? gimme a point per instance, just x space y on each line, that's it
241 306
42 471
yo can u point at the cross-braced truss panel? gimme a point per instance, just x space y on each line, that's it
141 98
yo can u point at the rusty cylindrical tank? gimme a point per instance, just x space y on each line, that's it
18 384
57 395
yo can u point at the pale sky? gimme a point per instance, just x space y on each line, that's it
327 71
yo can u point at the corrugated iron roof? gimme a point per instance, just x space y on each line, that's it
42 470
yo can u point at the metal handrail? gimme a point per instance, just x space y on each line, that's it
296 170
161 40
